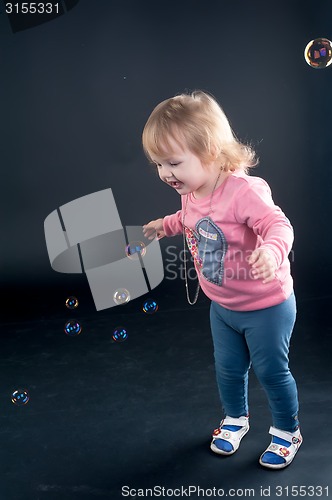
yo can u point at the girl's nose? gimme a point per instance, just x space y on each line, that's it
165 172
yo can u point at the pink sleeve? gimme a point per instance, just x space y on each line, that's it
173 224
254 206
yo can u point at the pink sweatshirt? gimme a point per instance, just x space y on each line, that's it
243 218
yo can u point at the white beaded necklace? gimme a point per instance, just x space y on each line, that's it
184 244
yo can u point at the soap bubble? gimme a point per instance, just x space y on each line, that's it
20 397
121 296
134 248
120 334
71 302
318 53
150 306
72 328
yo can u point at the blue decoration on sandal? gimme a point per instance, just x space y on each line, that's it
271 458
223 445
232 428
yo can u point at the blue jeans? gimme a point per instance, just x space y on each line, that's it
259 338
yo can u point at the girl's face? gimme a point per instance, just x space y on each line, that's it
184 171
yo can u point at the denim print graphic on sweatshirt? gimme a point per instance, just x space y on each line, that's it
208 246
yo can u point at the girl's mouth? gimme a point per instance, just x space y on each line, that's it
176 184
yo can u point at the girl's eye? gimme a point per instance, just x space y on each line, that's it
172 164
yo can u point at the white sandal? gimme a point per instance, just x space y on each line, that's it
232 437
286 452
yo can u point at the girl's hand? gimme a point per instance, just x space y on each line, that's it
154 229
263 265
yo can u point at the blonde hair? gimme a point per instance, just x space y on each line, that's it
199 122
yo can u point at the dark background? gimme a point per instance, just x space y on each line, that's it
75 94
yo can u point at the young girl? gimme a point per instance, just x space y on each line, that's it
240 241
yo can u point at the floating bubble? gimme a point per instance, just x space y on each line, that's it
318 53
72 328
71 302
20 397
120 334
121 296
150 306
134 248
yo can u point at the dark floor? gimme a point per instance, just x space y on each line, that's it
104 415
